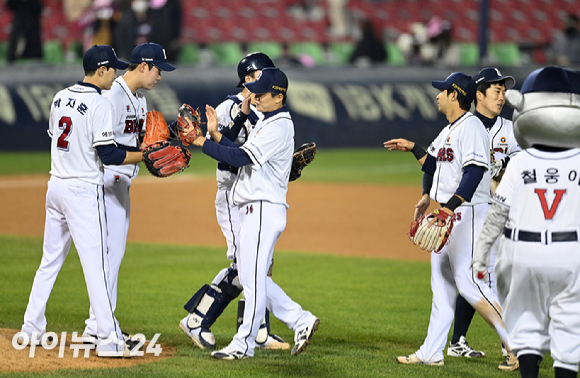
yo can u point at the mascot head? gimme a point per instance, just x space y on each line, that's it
547 109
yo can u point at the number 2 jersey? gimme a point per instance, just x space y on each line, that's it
461 143
80 120
129 116
542 190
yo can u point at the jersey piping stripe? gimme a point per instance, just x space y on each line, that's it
472 274
253 157
231 226
255 278
548 158
103 257
136 118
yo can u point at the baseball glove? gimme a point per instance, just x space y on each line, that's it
161 158
188 131
428 234
303 156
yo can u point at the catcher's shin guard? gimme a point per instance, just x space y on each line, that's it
264 327
209 303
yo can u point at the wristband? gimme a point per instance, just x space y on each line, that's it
418 152
453 203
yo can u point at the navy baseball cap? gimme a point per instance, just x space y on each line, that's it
491 75
459 82
151 53
552 79
102 55
269 80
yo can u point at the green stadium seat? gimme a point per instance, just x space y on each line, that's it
341 51
312 49
3 53
469 54
273 49
52 52
227 53
188 54
506 54
394 55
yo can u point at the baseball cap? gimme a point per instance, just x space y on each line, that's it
269 80
460 82
102 55
552 79
151 53
492 74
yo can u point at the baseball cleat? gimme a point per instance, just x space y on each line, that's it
273 342
89 339
414 360
302 337
462 349
203 338
27 342
228 353
129 350
511 363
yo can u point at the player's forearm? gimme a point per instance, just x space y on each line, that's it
492 228
133 157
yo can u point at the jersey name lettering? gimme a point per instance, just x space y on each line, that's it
445 154
133 126
549 212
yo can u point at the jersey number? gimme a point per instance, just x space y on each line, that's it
65 124
549 212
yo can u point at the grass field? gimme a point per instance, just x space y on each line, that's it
371 310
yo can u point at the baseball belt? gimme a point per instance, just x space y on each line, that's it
520 235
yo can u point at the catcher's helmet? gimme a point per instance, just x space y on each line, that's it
252 62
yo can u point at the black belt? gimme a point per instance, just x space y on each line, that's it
537 236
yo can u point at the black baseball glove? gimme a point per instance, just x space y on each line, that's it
303 156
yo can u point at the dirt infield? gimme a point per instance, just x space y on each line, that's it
349 220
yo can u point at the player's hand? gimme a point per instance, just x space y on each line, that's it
399 144
245 108
212 122
421 207
480 271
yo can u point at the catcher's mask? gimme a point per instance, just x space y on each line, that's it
252 62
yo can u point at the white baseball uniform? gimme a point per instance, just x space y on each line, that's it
129 116
80 120
538 267
259 192
503 143
462 143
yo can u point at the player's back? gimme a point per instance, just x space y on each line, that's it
546 190
80 120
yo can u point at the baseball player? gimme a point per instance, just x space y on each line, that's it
458 160
489 101
129 113
209 302
535 208
259 192
81 128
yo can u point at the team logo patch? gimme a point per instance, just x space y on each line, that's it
448 141
503 139
117 179
529 176
128 108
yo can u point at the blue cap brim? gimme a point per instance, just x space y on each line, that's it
441 85
120 65
165 66
256 88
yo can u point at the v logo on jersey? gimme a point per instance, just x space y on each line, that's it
549 212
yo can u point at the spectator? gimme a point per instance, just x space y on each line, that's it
165 20
565 50
440 50
25 42
369 49
132 28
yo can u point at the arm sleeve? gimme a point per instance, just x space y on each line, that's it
111 155
429 165
472 175
228 154
231 132
492 228
427 183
